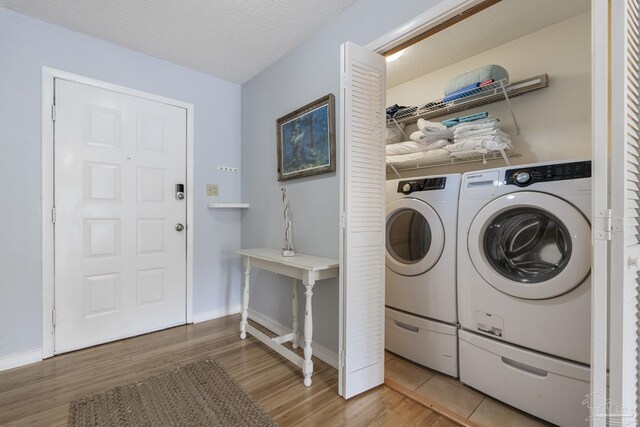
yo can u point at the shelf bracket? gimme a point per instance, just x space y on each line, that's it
398 126
505 157
506 97
393 168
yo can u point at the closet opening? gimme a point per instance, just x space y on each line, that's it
500 89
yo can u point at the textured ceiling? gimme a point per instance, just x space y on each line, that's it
230 39
492 27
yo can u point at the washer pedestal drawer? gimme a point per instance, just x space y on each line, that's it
427 342
549 388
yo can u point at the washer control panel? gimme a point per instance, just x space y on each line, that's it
426 184
526 176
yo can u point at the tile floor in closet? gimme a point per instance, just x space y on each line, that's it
453 395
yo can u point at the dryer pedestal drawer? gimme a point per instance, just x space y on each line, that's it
549 388
429 343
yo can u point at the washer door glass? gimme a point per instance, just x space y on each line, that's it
415 237
527 245
530 245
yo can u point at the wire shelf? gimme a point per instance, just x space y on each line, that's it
494 92
456 158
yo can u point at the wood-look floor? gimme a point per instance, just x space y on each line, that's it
39 394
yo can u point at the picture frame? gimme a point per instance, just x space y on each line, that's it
306 140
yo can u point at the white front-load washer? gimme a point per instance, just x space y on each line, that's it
524 288
421 314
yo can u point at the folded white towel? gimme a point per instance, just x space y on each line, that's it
426 126
414 159
431 136
495 142
461 131
480 133
414 147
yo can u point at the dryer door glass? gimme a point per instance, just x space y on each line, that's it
408 236
415 237
527 245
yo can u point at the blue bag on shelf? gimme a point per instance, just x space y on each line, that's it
488 72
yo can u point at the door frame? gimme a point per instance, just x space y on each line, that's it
448 9
48 248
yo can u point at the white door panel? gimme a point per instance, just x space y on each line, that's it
363 206
119 262
624 372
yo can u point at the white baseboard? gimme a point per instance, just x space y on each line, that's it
20 359
322 353
214 314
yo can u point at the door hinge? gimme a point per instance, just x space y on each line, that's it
603 225
342 360
343 220
53 317
53 215
607 224
53 112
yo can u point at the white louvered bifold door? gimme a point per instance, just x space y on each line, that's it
625 204
363 220
601 213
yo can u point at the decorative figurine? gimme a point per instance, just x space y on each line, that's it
288 248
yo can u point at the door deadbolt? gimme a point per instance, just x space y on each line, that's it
179 227
179 191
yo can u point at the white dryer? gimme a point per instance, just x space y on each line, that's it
524 259
421 315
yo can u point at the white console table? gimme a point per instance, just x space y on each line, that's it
307 268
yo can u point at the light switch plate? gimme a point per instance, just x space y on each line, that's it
212 189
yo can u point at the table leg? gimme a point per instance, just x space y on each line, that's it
307 368
294 312
245 298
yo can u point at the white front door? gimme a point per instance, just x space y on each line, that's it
119 252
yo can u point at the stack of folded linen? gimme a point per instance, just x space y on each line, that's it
481 135
430 132
426 144
415 158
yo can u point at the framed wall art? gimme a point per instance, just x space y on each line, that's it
306 140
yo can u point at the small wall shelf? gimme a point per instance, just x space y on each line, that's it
227 205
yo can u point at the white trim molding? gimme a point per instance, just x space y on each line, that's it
48 274
217 313
322 353
20 359
428 19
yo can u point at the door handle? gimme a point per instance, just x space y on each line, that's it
179 227
179 191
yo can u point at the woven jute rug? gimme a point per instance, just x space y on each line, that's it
197 394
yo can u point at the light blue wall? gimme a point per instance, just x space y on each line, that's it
306 73
26 45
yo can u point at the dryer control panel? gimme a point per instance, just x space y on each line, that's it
427 184
526 176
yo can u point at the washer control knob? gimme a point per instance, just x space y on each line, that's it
522 178
407 187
